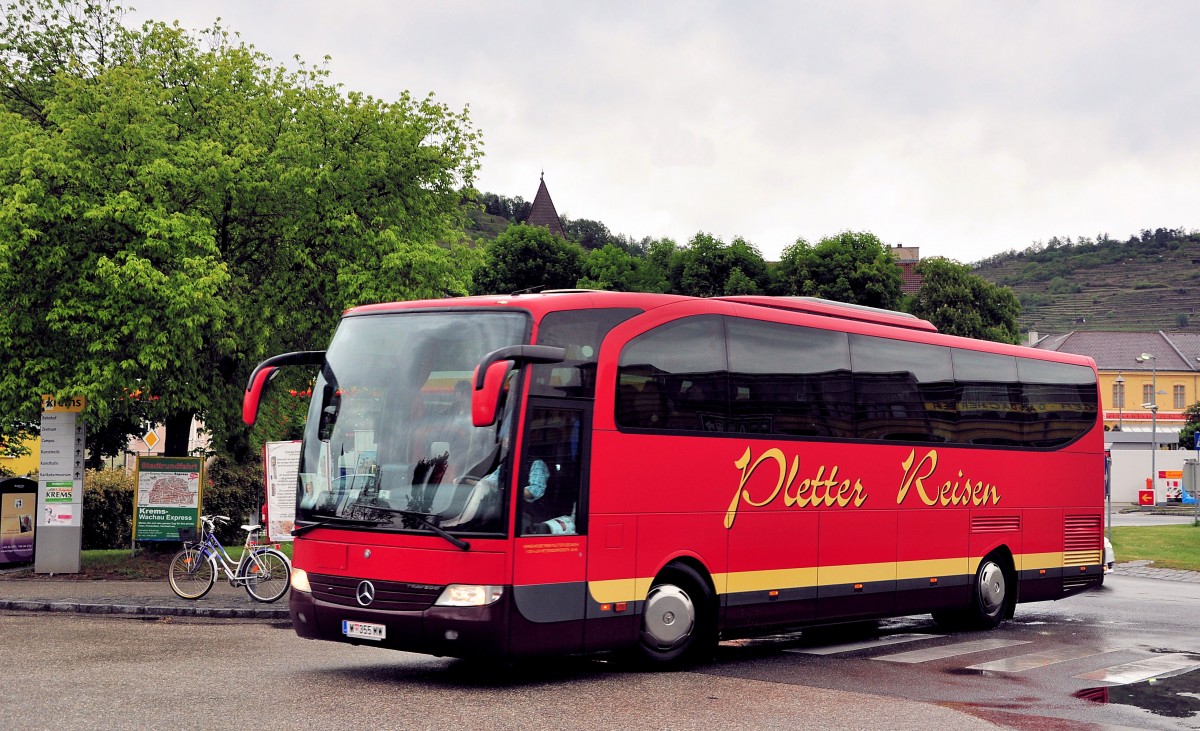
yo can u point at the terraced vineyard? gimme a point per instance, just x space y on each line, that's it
1122 286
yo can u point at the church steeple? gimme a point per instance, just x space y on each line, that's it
542 212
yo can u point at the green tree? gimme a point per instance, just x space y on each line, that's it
1191 424
528 257
739 283
591 235
852 267
175 207
961 303
613 268
705 266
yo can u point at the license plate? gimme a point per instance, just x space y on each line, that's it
364 630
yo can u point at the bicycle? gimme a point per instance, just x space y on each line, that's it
264 571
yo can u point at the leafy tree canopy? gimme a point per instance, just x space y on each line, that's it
961 303
708 267
613 268
174 207
853 267
528 257
1191 424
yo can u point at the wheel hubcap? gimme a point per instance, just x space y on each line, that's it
991 588
668 618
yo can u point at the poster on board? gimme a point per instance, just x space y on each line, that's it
281 465
168 497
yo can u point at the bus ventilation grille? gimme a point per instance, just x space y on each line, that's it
1070 583
1082 540
995 523
390 596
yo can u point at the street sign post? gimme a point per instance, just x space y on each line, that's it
60 487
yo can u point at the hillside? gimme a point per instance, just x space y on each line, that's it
1149 282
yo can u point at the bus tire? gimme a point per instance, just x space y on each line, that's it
991 593
679 626
991 598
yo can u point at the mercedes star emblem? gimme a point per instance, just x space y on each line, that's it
365 593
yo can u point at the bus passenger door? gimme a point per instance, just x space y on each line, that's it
549 571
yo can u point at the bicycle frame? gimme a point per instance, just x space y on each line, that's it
211 549
262 569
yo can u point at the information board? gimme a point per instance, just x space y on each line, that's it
281 463
168 497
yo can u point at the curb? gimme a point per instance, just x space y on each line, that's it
36 605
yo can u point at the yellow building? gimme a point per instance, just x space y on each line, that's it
22 466
150 444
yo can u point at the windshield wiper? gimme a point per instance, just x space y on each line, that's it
423 518
334 520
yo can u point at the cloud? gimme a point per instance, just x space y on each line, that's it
965 128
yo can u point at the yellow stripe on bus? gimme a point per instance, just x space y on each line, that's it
767 580
628 590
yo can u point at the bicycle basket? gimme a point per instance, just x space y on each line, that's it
187 534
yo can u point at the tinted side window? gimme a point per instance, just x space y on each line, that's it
1059 399
580 332
989 399
902 390
674 378
789 380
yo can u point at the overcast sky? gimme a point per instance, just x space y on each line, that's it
964 128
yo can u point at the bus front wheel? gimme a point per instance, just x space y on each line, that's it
678 620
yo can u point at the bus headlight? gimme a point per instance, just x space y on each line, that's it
300 580
469 595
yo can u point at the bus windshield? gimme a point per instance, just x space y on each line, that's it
389 443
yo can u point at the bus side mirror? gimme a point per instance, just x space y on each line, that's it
485 401
268 369
254 392
488 382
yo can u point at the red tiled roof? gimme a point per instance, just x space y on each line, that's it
1118 351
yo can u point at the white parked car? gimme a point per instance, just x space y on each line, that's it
1110 558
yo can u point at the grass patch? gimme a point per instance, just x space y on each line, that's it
150 564
1168 546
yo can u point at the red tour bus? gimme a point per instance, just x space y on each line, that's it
579 471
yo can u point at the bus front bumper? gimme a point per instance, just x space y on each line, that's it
464 632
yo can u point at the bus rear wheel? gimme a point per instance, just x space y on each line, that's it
991 593
678 620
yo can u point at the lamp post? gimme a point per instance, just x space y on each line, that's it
1119 382
1153 406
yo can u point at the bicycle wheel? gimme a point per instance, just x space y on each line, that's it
268 574
191 575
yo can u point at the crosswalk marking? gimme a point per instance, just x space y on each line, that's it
863 645
1134 672
944 651
1021 663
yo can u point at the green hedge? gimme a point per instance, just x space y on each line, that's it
107 509
229 489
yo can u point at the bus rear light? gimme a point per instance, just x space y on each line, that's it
606 607
469 595
622 606
300 580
